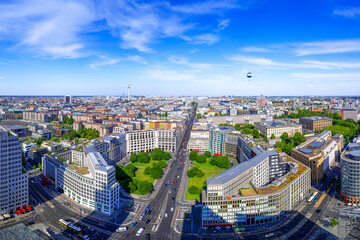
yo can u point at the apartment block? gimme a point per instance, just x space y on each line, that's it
315 123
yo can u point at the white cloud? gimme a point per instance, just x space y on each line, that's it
169 75
2 77
137 59
328 76
105 61
53 28
327 47
269 63
223 24
254 49
206 7
348 12
206 38
185 62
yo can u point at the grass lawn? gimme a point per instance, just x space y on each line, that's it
206 166
143 165
209 170
143 177
197 182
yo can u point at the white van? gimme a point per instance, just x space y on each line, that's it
140 231
122 229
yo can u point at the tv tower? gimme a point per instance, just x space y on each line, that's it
129 92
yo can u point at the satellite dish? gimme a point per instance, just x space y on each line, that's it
249 75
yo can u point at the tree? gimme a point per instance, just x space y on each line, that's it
147 170
220 161
255 133
272 136
157 154
198 116
156 172
298 138
194 190
207 154
284 136
69 121
333 222
144 187
56 119
246 131
201 158
350 120
167 156
130 170
34 166
132 187
193 155
195 172
143 157
40 167
278 145
161 164
133 158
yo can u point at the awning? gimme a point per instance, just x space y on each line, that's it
6 215
23 210
19 212
1 217
28 208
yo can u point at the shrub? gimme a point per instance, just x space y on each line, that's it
201 159
194 190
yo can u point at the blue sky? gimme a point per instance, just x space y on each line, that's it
165 48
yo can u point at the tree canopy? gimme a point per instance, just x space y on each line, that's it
193 155
220 161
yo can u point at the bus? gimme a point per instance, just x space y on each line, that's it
312 198
70 226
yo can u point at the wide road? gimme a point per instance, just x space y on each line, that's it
162 206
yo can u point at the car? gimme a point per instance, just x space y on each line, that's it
149 212
133 224
172 182
140 218
121 229
147 221
140 231
269 235
147 207
174 189
318 210
32 221
148 236
181 162
165 215
173 198
169 191
172 209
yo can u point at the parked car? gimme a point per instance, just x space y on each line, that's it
147 221
122 229
133 224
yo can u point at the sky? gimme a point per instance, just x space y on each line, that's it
181 48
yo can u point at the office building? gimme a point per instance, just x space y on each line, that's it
261 190
217 139
68 99
146 140
352 113
319 153
267 129
199 141
315 123
85 177
350 174
112 147
14 192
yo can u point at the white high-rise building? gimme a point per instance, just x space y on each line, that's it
14 192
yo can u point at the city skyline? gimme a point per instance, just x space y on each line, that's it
180 48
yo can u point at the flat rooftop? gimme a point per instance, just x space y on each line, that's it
81 170
290 177
352 152
313 148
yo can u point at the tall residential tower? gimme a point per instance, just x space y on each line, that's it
13 178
